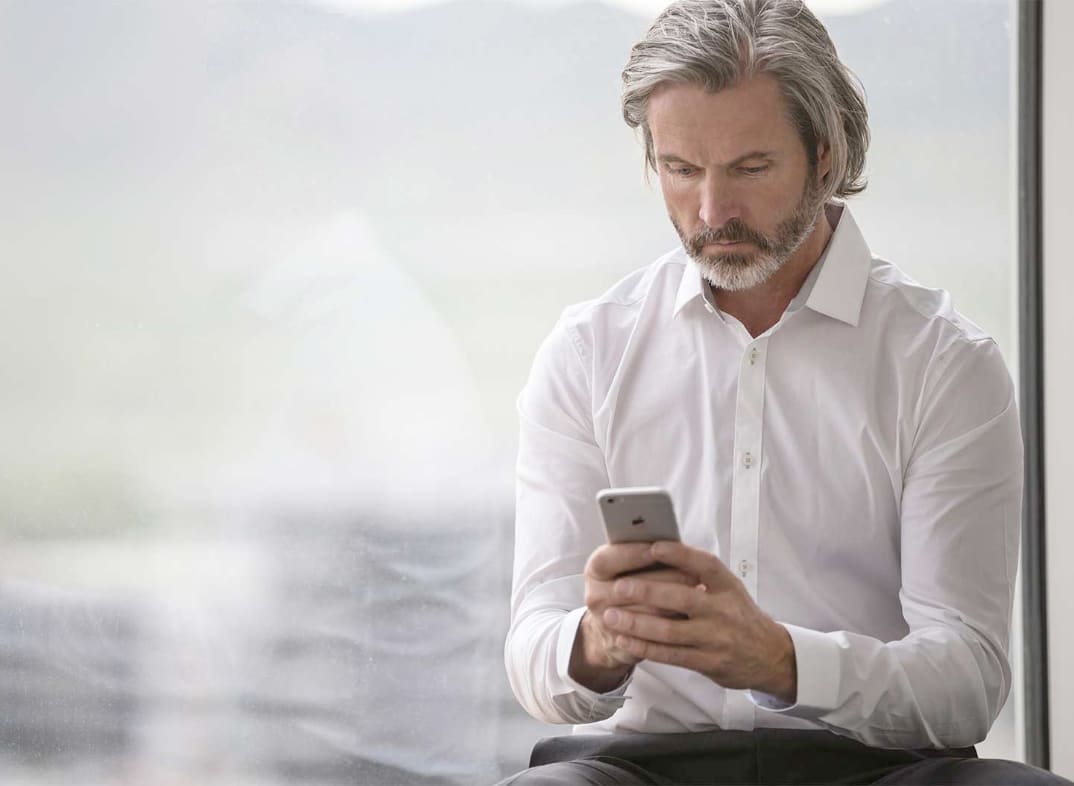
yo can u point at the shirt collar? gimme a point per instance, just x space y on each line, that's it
839 290
834 287
690 285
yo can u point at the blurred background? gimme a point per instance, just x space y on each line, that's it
273 276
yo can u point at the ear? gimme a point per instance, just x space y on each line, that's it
824 160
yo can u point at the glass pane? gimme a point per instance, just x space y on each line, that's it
274 275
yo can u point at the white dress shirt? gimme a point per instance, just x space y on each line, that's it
858 466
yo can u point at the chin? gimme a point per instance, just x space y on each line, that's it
737 273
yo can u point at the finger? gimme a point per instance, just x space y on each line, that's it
708 568
679 598
651 627
611 559
669 575
600 595
671 654
671 615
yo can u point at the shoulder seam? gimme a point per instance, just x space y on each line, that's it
961 333
603 301
937 367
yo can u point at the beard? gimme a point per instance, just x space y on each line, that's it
738 271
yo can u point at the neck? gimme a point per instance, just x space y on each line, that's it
761 307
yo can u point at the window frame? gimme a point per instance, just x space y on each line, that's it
1031 382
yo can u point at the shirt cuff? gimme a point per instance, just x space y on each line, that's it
600 705
817 659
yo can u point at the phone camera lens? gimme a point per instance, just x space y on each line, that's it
611 500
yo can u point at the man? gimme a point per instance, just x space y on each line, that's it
842 448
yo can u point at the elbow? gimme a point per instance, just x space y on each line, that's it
519 678
995 670
965 732
520 662
981 698
531 672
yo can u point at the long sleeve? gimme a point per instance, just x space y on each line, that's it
557 526
944 683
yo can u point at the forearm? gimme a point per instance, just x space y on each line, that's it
933 689
944 683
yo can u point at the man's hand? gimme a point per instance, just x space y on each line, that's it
596 661
724 636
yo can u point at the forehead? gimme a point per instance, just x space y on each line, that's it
688 121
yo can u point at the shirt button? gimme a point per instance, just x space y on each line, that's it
744 567
747 460
754 355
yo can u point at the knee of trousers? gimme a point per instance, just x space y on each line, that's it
990 771
975 772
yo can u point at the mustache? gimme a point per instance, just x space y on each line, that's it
734 231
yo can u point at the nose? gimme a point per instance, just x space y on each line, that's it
718 203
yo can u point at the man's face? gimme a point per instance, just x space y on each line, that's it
736 178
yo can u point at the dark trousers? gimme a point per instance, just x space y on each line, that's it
762 757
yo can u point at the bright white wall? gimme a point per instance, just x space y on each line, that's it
1059 371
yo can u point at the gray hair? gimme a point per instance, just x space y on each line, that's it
718 43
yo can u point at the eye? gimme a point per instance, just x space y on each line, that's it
753 170
681 171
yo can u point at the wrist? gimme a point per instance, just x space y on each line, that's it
783 683
591 664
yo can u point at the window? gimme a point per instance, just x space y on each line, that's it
275 273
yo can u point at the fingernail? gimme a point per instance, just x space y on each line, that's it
625 588
611 616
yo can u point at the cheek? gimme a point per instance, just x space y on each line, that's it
667 189
770 203
679 199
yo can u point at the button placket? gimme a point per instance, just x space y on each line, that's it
749 415
745 498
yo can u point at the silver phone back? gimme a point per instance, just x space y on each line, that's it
638 515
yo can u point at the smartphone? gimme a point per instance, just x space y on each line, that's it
641 514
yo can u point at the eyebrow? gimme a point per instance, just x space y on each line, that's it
671 158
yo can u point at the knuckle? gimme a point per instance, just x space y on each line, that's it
625 588
693 602
591 596
593 564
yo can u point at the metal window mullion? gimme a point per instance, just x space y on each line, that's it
1031 378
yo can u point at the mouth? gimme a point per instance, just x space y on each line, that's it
724 245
